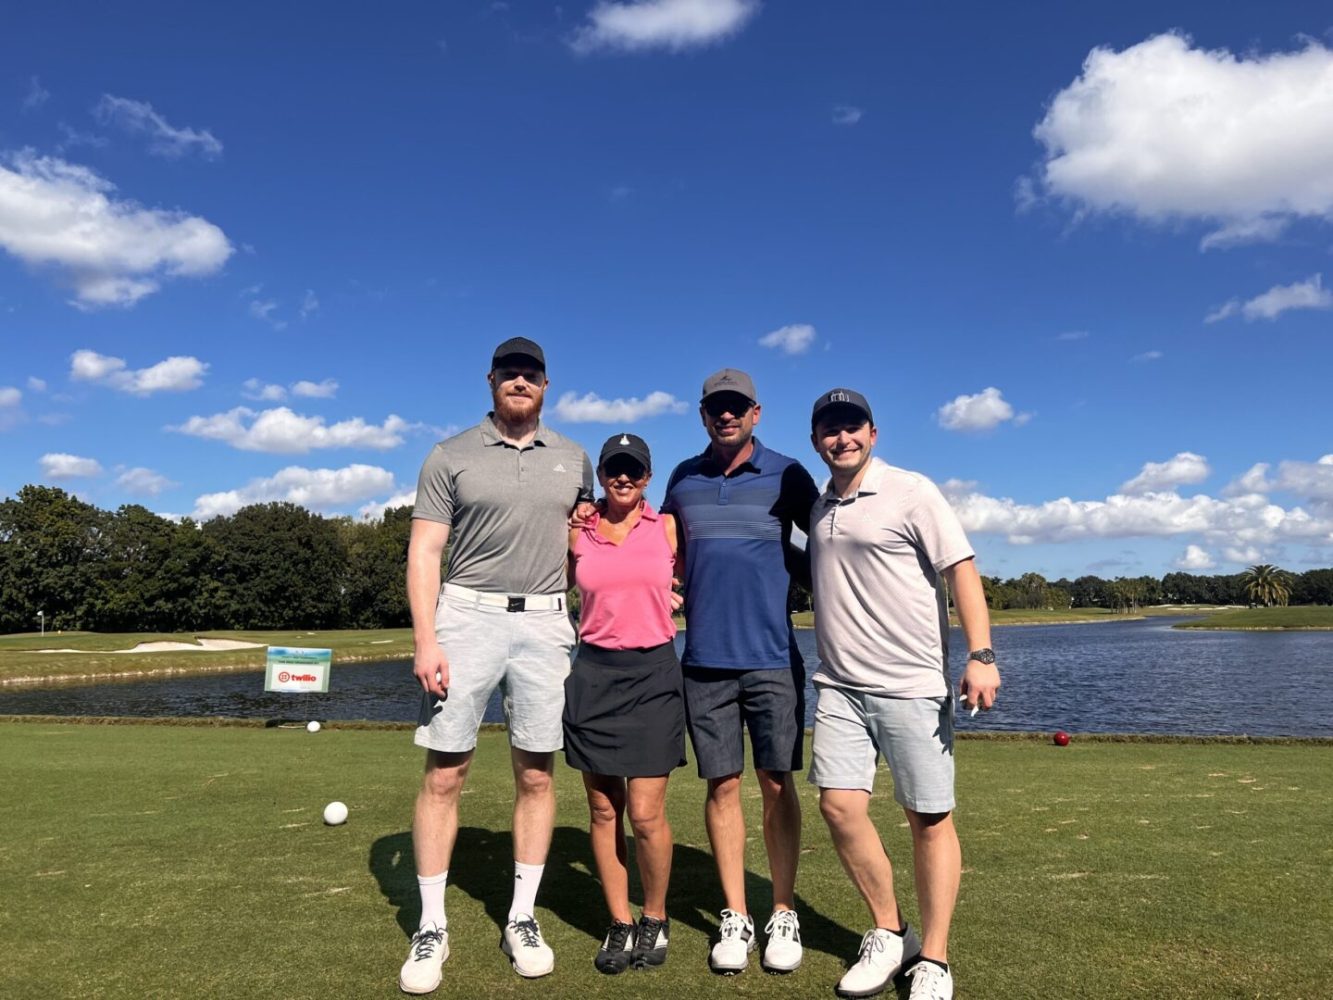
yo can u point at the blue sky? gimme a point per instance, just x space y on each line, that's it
1077 257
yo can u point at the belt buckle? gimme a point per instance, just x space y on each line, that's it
515 604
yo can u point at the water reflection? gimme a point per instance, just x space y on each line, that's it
1124 677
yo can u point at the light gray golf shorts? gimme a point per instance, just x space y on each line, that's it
524 653
915 735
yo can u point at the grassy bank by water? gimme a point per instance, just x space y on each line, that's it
96 654
1307 617
191 861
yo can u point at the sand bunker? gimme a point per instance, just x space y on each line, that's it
203 646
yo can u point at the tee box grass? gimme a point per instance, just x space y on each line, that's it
167 861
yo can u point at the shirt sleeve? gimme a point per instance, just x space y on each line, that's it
435 489
586 493
669 505
938 530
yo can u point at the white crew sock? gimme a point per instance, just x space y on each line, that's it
527 878
432 900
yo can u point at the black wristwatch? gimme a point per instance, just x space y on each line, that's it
986 655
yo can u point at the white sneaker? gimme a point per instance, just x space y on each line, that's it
930 982
731 954
783 951
883 954
522 942
421 971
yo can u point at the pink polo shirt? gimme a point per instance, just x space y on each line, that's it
625 589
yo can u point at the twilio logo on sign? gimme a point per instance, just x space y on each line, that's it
284 677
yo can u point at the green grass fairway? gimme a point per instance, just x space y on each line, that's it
190 861
1309 617
96 659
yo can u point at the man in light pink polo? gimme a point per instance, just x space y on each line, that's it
881 541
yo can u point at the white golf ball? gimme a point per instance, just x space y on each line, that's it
335 814
312 726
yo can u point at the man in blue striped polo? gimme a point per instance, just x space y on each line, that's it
737 504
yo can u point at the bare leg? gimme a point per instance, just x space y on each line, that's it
652 841
606 830
435 820
726 834
782 834
534 805
847 812
939 867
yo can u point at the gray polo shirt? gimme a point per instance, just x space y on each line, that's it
881 624
507 507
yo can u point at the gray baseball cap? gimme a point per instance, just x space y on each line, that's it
729 380
836 398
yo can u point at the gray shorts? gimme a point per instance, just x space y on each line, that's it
524 653
720 704
915 735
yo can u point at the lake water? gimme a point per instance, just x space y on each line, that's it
1117 677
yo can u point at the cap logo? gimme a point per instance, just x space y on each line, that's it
726 378
839 397
624 439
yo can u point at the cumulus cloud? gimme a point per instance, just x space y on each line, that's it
1309 480
673 25
1182 470
9 396
1194 558
326 389
175 374
1307 294
590 408
58 465
253 388
845 114
314 489
164 139
62 216
1164 130
280 431
981 412
374 510
144 482
793 339
1254 481
262 309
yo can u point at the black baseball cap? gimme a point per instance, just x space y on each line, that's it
729 380
518 347
626 444
840 397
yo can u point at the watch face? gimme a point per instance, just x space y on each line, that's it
982 656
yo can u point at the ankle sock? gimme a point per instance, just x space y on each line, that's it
527 879
432 899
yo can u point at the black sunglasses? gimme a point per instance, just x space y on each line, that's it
737 406
623 465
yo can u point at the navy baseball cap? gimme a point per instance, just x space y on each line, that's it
626 444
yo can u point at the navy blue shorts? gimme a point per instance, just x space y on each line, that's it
719 704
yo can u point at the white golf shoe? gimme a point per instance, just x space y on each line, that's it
421 971
522 942
783 951
930 982
736 940
883 955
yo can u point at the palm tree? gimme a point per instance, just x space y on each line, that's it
1268 585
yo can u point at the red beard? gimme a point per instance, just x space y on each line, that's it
516 409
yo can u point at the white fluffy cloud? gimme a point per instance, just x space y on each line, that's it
793 339
58 465
164 138
144 482
315 489
1194 558
590 408
59 215
324 389
1164 130
374 510
280 431
1182 470
175 374
674 25
1307 294
981 412
253 388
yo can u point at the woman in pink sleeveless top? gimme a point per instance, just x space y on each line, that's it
624 707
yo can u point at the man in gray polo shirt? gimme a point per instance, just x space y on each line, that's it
881 540
501 493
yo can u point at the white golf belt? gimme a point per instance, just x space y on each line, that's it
531 602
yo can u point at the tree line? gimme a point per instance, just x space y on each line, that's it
279 566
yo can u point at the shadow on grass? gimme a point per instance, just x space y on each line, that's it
485 871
